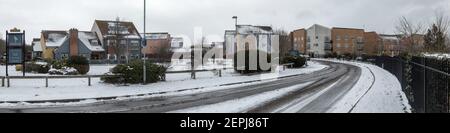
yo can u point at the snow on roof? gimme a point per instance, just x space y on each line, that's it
55 39
90 40
37 46
121 27
249 29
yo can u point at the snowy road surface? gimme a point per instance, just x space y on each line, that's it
342 87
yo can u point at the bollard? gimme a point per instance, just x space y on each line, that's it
46 82
3 81
89 81
7 82
220 72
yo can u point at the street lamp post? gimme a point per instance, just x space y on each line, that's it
144 45
235 32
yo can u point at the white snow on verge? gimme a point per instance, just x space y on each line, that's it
377 91
244 104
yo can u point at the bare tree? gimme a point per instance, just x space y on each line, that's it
163 53
410 32
116 44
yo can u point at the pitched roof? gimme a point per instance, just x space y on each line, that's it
249 29
107 27
90 40
54 38
318 25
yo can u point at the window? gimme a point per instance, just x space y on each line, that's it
346 37
338 37
317 37
308 39
338 45
346 45
316 45
327 39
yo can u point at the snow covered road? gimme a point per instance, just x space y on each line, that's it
341 87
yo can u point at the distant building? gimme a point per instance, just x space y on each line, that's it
415 43
318 40
120 39
285 45
158 45
372 44
299 40
230 43
390 45
348 41
37 48
63 44
250 37
177 42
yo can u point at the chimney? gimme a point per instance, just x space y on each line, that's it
73 43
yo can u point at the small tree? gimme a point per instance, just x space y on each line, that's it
435 40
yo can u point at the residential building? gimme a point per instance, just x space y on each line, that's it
390 45
318 40
120 39
372 44
230 43
158 45
348 41
415 43
37 48
251 37
177 42
51 40
286 46
299 40
81 43
63 44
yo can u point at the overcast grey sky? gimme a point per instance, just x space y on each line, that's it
214 16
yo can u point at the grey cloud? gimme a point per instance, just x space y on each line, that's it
181 16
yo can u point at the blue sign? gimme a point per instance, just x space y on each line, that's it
15 56
15 40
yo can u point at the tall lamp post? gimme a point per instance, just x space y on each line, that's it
144 44
235 32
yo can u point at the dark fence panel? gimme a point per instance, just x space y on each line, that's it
424 80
